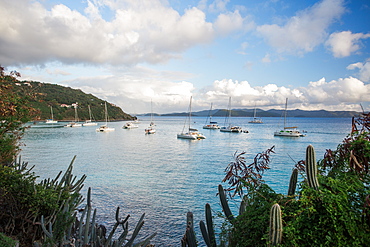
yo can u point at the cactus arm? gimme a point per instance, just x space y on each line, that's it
209 221
224 204
311 167
293 182
276 225
204 233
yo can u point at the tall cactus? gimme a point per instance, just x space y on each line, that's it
293 182
208 233
224 204
276 225
311 167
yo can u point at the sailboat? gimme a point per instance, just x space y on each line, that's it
105 128
255 118
228 127
75 123
151 129
210 125
51 121
191 133
89 122
288 131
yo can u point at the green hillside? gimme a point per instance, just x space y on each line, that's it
50 95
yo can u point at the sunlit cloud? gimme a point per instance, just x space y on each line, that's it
343 44
304 31
363 70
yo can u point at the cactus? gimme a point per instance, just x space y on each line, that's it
293 182
189 236
276 225
87 232
224 204
208 233
311 167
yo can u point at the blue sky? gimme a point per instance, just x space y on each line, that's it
132 52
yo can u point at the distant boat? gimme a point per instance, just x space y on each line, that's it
105 128
51 121
89 122
228 127
210 124
151 129
130 125
288 131
255 118
191 133
75 123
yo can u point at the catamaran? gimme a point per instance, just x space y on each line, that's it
211 124
191 133
51 120
151 129
89 122
75 123
105 128
228 127
255 119
288 131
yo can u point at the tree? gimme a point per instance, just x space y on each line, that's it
14 113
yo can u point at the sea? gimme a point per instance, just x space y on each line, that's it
165 177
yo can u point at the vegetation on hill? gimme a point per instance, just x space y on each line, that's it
51 95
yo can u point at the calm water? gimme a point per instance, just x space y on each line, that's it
165 177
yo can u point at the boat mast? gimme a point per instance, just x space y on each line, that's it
191 97
106 113
52 116
286 106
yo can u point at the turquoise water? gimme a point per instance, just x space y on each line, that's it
165 177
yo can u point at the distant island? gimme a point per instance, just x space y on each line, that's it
268 113
62 101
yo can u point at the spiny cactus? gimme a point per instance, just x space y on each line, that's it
293 182
224 204
311 167
208 233
276 225
86 232
189 236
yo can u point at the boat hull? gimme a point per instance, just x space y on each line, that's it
285 133
234 129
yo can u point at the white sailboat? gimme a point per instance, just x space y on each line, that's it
89 122
51 120
105 128
151 129
228 127
191 133
255 118
75 123
211 124
288 131
130 125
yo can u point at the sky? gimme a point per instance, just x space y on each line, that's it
134 52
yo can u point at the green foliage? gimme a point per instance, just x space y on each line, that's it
47 95
24 201
336 213
6 241
14 112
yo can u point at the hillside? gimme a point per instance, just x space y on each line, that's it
271 113
63 99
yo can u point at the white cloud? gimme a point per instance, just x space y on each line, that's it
343 44
341 94
140 31
231 22
364 70
304 31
